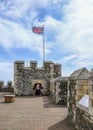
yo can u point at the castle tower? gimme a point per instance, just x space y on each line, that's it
18 66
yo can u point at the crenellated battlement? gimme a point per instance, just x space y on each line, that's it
48 66
24 76
6 88
33 64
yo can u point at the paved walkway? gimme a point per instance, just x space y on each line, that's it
32 113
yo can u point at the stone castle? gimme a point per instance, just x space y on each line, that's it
75 91
26 77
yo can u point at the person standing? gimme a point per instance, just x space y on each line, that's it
38 89
41 89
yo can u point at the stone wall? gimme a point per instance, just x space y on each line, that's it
78 86
7 88
58 90
25 77
84 121
91 93
76 89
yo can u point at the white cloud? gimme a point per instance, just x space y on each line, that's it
73 35
19 8
15 35
76 35
70 37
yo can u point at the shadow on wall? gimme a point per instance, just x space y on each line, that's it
48 103
62 125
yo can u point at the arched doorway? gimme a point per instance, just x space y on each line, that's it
43 84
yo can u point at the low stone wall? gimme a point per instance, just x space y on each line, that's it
84 121
8 89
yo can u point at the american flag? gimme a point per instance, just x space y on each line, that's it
38 30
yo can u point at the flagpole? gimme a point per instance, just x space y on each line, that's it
43 46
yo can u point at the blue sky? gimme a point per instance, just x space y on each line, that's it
68 33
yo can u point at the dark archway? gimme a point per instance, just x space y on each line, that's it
42 82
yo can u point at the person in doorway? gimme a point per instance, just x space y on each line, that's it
38 91
41 89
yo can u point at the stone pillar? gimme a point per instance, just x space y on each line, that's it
57 92
33 65
78 87
1 85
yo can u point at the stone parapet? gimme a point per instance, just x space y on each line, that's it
79 89
6 88
84 121
24 76
1 85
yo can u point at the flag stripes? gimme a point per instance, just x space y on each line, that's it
38 30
